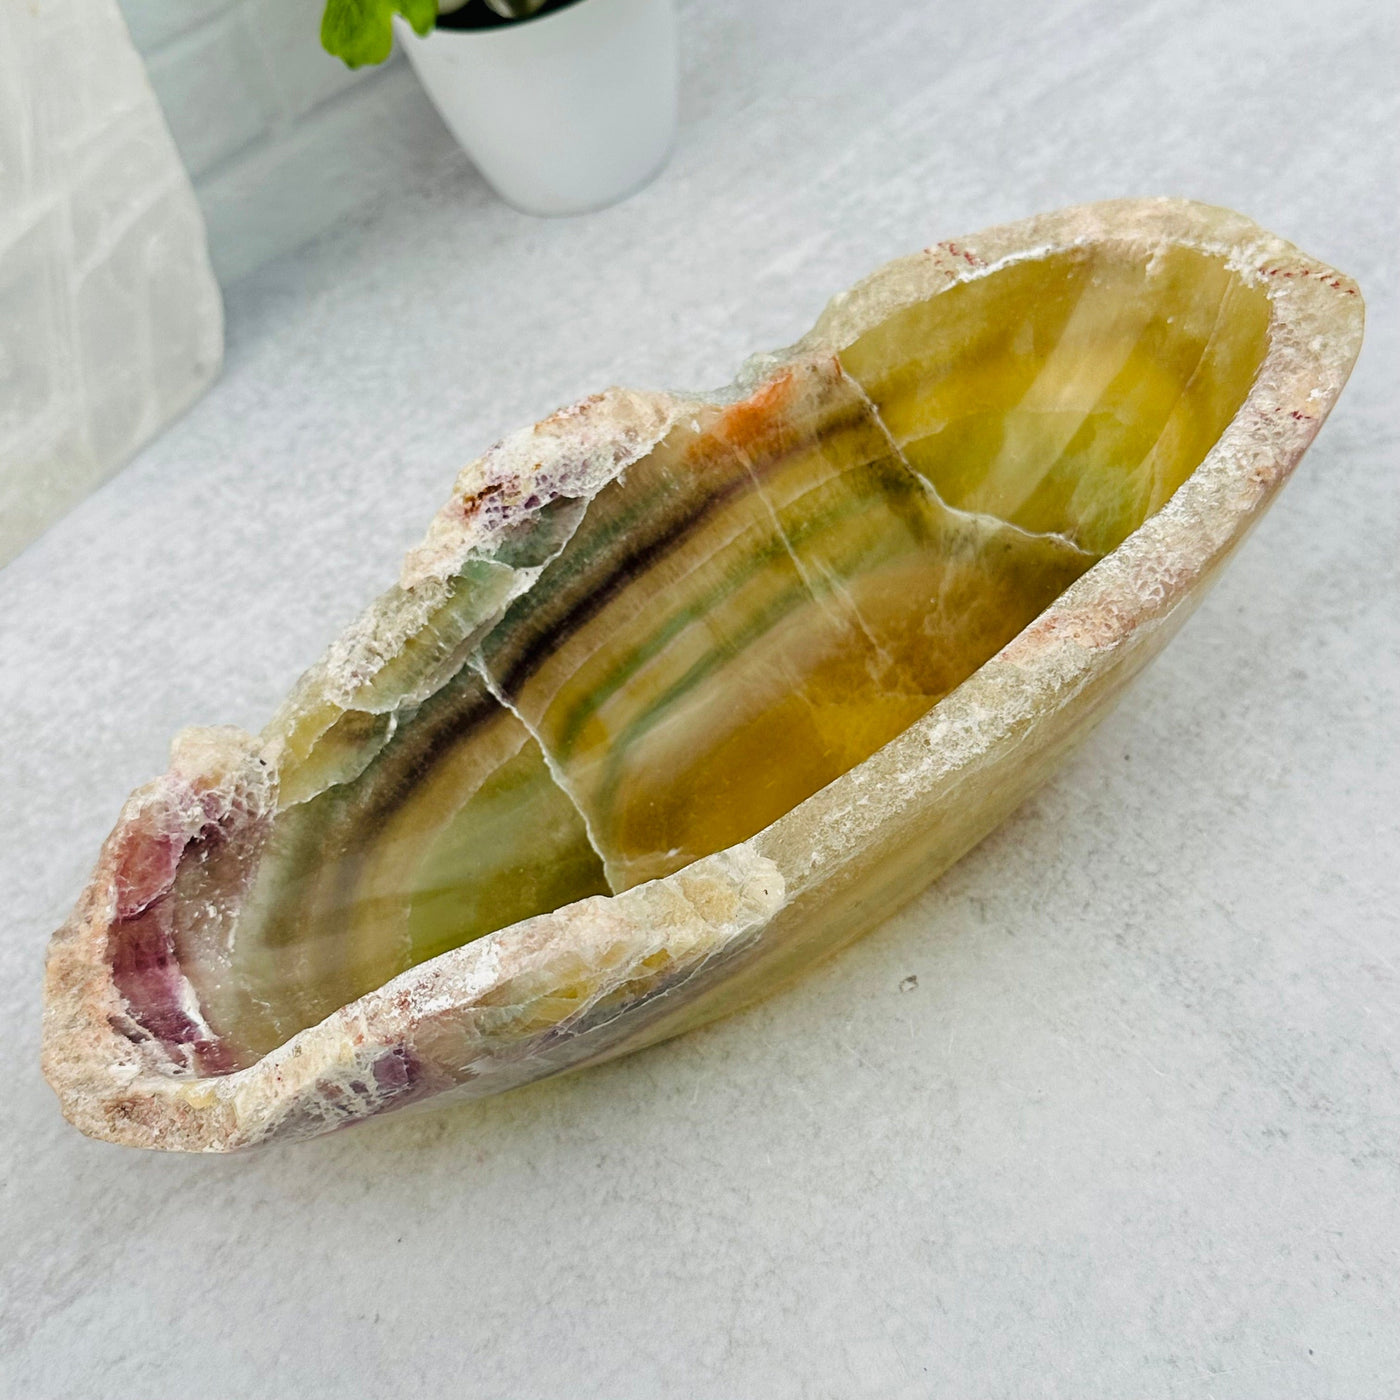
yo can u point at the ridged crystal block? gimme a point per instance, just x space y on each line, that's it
680 694
110 318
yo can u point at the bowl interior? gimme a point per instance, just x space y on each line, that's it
778 589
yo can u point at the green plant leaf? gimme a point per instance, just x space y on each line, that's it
360 31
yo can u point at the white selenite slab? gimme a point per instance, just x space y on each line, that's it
110 318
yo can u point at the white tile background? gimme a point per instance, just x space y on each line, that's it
273 130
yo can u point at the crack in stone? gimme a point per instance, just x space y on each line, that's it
983 519
478 663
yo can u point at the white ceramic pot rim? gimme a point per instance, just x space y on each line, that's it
505 24
536 29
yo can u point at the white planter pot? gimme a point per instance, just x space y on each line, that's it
563 113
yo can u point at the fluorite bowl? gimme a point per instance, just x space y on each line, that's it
681 694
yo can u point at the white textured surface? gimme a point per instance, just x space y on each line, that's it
1136 1131
110 321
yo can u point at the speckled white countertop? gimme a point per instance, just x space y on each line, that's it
1135 1132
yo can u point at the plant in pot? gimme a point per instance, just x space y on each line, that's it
563 105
